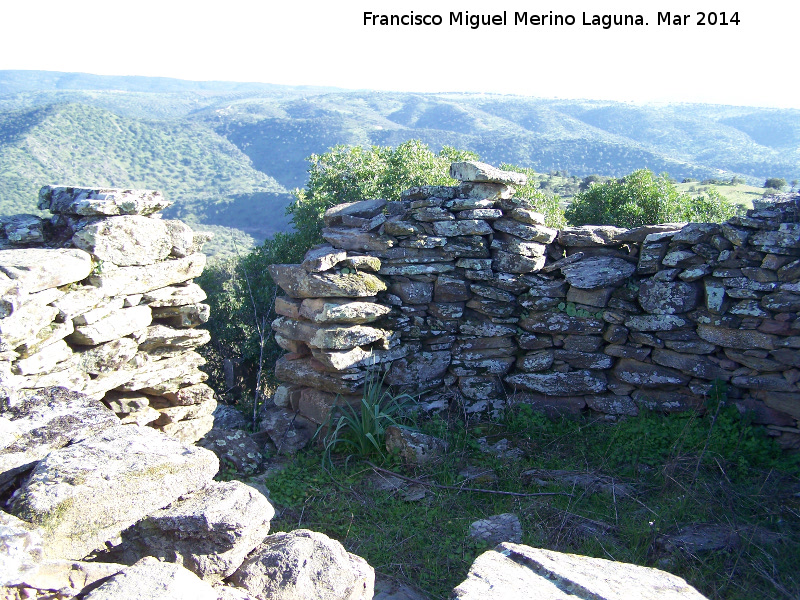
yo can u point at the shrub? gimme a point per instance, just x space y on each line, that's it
642 198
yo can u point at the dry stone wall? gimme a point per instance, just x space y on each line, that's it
464 289
99 299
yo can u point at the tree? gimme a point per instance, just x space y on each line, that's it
641 198
777 183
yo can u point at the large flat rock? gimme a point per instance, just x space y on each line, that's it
126 240
85 494
299 283
210 531
126 281
39 421
517 571
40 269
150 579
478 171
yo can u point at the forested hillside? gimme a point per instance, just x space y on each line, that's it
228 153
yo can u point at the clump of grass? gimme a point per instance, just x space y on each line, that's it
361 429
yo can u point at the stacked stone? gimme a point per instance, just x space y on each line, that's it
99 299
486 299
327 325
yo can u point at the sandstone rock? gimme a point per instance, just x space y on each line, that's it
174 296
557 322
78 301
497 529
307 372
597 272
100 201
126 240
478 171
234 448
331 337
305 564
107 357
514 263
485 190
39 269
208 531
123 472
560 384
118 324
357 241
668 297
41 421
654 322
140 280
174 414
20 548
298 283
414 447
336 310
150 579
516 571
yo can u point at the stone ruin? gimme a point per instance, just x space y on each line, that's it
104 496
463 293
99 299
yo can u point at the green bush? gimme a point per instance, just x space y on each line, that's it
642 198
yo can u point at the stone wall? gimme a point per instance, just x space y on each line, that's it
99 299
463 292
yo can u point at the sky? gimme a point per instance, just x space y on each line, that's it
326 43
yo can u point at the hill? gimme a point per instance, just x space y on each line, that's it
228 152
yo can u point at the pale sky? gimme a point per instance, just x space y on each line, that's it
315 42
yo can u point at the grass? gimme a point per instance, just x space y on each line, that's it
679 470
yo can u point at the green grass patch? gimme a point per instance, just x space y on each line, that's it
669 472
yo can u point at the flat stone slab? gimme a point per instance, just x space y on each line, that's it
126 281
561 384
299 283
365 209
478 171
597 272
40 269
100 201
517 571
21 548
87 493
126 240
587 236
116 325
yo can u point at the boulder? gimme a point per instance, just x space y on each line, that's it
209 531
305 564
234 448
517 571
122 473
